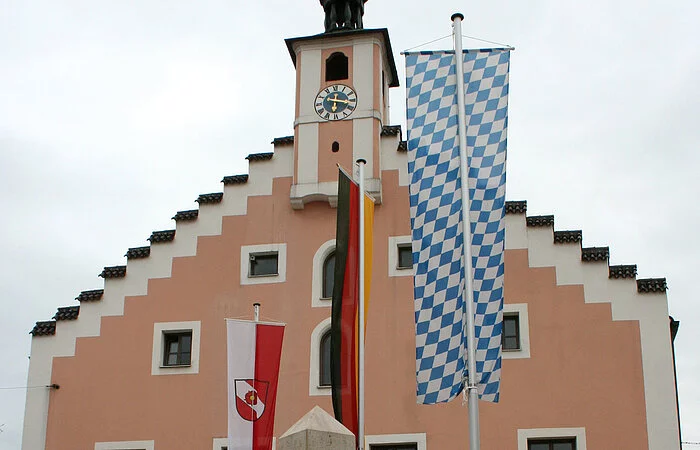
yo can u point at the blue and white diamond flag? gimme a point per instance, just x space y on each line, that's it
436 216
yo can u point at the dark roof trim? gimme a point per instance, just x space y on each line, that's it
235 179
113 272
138 252
214 197
162 236
590 254
67 313
516 207
284 140
540 221
90 296
259 156
651 285
403 147
623 271
393 80
186 215
47 328
568 237
391 130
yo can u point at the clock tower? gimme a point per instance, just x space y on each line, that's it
342 105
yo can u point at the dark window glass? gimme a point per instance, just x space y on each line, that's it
178 348
393 447
511 332
328 276
325 360
405 256
263 264
551 444
337 67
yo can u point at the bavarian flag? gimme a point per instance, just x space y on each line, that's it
344 311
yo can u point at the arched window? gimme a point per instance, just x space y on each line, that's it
337 67
324 370
328 275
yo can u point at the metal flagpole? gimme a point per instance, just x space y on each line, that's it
473 395
361 313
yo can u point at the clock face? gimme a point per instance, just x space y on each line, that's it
335 102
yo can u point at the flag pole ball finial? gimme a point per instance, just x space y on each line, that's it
455 15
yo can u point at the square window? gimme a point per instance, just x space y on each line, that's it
177 348
263 264
405 256
551 444
511 332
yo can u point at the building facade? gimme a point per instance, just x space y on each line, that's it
141 363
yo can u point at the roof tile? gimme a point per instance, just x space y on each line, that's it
259 156
622 271
567 237
47 328
391 130
284 140
67 313
90 296
214 197
403 147
113 272
162 236
540 221
186 215
516 207
235 179
138 252
650 285
590 254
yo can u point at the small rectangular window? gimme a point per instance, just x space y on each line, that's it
177 348
551 444
511 332
405 258
263 264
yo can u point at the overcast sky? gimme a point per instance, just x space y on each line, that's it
114 115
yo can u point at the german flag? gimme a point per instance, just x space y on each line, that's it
344 311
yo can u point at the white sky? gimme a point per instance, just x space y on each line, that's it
114 115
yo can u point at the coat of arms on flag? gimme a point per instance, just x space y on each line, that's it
251 397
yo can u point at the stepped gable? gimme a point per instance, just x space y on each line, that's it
259 157
595 254
113 272
516 207
284 140
47 328
391 130
138 252
651 285
235 179
623 271
90 296
190 214
214 197
67 313
540 221
403 147
162 236
568 237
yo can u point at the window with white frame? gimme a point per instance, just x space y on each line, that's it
515 334
319 360
400 256
410 441
552 439
175 348
263 263
125 445
323 272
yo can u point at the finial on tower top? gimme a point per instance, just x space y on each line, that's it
343 14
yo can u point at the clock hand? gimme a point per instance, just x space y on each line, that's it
337 100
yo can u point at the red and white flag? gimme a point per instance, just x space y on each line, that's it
254 351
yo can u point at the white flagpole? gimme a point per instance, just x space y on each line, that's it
473 395
361 313
256 312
